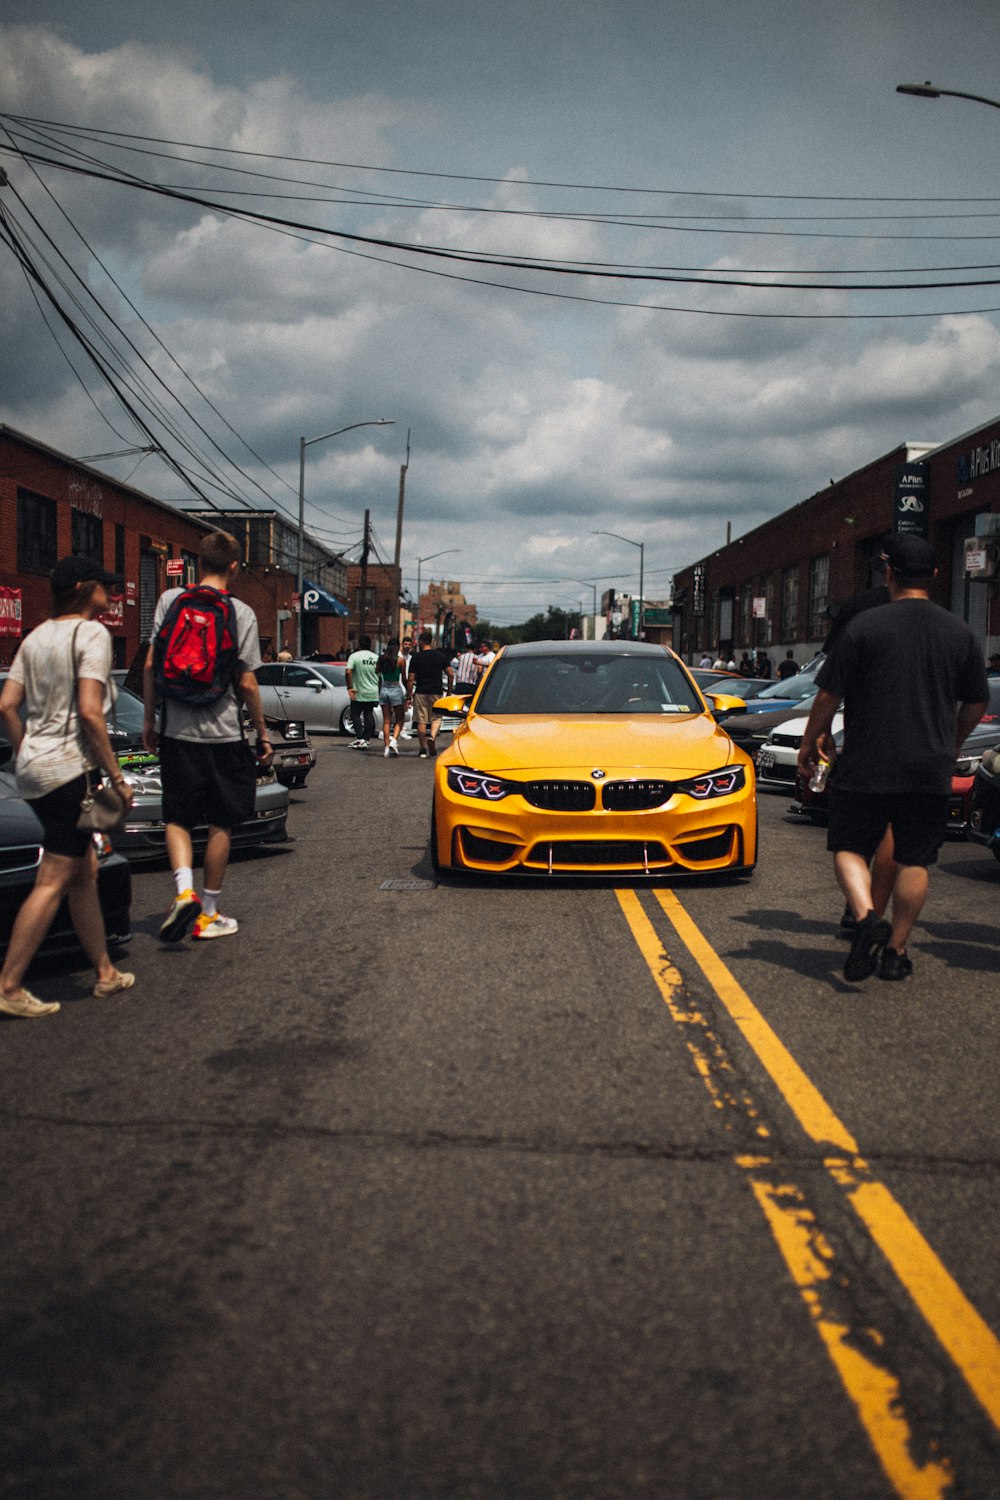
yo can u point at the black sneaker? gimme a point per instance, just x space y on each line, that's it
870 937
894 965
848 920
431 747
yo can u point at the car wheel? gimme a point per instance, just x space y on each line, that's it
346 723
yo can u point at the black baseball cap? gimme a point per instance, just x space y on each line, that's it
909 556
69 571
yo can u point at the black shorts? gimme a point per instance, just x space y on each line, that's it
859 819
57 812
206 783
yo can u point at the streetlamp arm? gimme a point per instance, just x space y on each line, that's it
929 91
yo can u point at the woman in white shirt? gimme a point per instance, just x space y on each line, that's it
61 675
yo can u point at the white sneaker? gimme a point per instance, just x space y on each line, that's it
393 747
361 745
386 752
214 927
356 744
24 1003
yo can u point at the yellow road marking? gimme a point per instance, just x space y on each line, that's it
858 1354
873 1389
961 1330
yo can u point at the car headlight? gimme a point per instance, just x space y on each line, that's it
991 761
713 783
478 784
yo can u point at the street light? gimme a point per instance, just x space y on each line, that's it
929 91
421 561
588 585
642 560
305 443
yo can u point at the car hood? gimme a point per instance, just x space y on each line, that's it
679 744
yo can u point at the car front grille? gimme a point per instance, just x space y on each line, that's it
609 854
791 740
560 796
635 796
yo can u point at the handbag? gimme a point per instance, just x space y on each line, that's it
101 810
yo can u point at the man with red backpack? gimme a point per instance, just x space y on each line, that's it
200 670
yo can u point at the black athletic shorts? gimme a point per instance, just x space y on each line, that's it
57 812
859 819
207 783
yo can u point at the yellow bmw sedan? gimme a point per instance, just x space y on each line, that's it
592 758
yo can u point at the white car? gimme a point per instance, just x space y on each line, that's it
778 756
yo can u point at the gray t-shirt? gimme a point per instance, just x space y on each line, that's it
216 722
55 749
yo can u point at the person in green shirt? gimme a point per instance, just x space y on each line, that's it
362 684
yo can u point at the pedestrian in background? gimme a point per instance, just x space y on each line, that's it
787 668
428 669
61 676
468 670
913 685
391 696
362 683
207 769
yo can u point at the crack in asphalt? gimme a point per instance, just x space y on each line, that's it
470 1140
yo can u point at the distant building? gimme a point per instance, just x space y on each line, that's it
445 610
779 586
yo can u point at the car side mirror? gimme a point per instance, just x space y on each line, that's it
725 703
316 685
453 705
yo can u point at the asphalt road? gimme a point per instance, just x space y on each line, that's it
506 1190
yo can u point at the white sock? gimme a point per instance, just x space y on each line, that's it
210 902
183 879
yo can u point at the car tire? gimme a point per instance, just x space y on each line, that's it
346 723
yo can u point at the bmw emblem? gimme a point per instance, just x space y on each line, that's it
597 775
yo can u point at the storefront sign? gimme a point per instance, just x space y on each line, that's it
698 591
911 497
175 567
10 611
130 593
979 461
759 607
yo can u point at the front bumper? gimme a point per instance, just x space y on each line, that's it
684 836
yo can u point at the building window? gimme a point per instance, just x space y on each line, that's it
764 625
88 535
36 533
818 572
790 604
746 614
190 560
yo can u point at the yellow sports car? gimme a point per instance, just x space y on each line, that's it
589 758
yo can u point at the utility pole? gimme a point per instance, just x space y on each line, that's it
363 606
394 624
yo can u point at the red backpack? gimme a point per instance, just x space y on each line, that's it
196 649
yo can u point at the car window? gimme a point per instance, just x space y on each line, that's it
577 683
269 674
301 676
330 673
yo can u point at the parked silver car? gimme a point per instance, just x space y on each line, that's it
312 692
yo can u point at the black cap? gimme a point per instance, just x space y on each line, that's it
69 571
909 556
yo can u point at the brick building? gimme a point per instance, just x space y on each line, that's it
778 586
376 612
52 505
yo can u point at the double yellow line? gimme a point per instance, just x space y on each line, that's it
858 1355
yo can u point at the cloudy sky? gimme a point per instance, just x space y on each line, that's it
750 140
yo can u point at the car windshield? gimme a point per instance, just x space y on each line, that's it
793 688
578 683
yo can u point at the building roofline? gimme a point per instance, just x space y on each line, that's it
65 458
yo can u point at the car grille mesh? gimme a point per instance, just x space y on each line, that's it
607 854
635 796
560 796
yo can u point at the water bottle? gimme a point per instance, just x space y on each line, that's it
817 781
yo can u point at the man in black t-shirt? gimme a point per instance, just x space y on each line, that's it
428 668
913 684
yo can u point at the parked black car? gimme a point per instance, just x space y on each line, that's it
20 855
984 804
